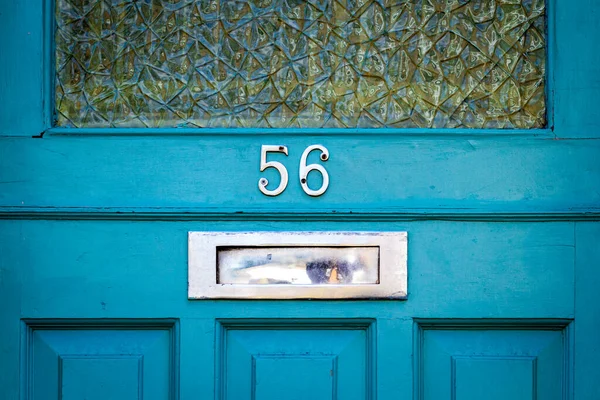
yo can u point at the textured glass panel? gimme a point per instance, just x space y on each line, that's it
299 63
299 265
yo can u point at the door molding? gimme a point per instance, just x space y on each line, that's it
565 326
237 214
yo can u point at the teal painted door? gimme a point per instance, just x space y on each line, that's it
122 128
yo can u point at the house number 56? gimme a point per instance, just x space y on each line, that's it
303 170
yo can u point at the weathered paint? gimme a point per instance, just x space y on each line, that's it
399 175
485 272
503 224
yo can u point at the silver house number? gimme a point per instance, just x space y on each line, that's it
304 170
264 164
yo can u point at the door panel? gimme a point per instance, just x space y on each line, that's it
89 359
299 359
474 360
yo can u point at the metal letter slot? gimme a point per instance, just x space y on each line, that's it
297 265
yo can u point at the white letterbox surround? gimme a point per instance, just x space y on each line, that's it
203 265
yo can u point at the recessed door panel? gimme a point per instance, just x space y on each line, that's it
296 360
494 377
496 362
96 360
294 377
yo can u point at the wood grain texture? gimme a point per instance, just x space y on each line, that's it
10 309
587 312
341 350
98 359
203 175
471 359
107 270
25 65
93 223
474 270
576 63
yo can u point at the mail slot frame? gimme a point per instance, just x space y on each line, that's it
202 265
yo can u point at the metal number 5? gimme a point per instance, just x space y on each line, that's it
305 169
263 182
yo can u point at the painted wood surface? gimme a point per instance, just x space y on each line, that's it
368 175
102 360
577 67
125 270
301 359
24 68
587 315
504 255
473 360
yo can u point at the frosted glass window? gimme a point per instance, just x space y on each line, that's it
298 63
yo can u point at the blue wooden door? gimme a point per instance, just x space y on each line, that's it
471 125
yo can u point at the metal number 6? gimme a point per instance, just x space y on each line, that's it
263 182
305 169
